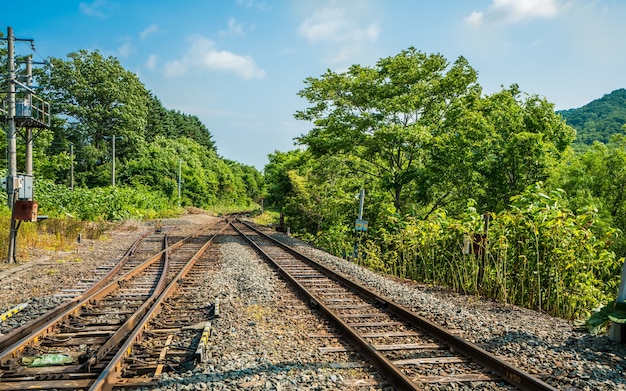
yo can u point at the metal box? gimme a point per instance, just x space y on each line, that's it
23 108
25 210
26 188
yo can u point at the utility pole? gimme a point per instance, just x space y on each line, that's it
22 205
113 158
11 143
113 162
29 131
180 162
71 166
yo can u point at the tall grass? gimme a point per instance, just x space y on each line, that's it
539 255
84 212
58 234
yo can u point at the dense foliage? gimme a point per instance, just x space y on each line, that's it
436 156
158 152
420 127
598 120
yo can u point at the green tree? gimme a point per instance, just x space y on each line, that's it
386 115
251 177
278 184
206 179
494 147
98 99
596 179
159 122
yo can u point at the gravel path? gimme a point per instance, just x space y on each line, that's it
261 339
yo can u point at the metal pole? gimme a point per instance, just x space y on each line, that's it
11 144
72 166
361 199
29 132
113 162
180 162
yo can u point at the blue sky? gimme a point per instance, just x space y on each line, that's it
238 64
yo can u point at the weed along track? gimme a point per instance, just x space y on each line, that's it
405 348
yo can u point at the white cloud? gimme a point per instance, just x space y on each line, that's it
514 11
148 31
99 8
202 55
126 50
260 5
234 29
152 61
332 25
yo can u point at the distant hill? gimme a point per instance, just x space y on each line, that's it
599 119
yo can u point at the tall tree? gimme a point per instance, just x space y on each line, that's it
386 115
494 147
597 179
278 184
205 178
99 99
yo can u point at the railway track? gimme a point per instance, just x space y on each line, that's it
82 343
407 349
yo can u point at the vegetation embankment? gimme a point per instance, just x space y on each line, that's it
436 156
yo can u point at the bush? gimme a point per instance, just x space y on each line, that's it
539 254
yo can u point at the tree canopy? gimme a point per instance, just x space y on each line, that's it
420 126
386 115
96 101
440 162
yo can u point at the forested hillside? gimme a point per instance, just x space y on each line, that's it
599 119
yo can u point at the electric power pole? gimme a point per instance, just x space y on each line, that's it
29 132
113 157
22 205
113 162
72 166
11 143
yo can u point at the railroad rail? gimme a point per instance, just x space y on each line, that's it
400 344
93 334
24 331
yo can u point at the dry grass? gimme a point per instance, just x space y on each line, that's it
51 234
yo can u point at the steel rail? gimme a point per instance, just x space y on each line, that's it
133 320
23 331
391 372
509 373
111 374
84 380
34 332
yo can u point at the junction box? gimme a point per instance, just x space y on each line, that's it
25 210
